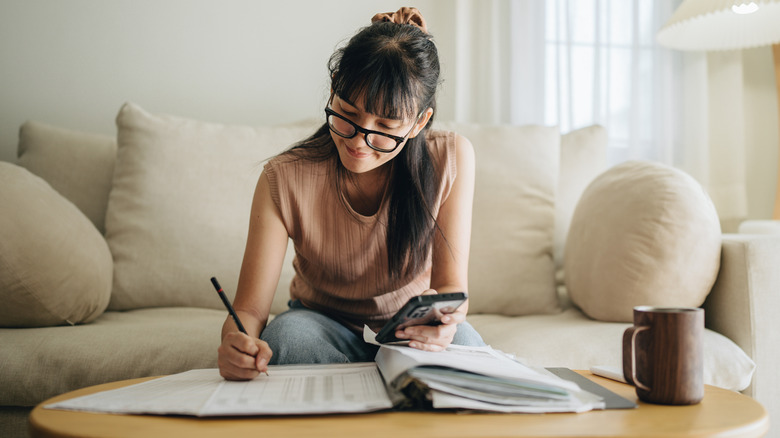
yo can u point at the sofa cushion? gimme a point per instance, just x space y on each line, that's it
583 158
116 346
178 212
511 269
78 165
55 267
643 233
570 339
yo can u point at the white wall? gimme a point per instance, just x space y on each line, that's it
72 63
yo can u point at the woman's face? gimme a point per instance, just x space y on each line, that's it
355 154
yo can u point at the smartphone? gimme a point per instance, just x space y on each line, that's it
420 310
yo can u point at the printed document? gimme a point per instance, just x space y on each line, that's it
288 389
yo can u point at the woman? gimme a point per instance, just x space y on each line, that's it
378 207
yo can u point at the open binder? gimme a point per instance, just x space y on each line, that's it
477 378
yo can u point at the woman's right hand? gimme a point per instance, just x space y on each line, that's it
242 357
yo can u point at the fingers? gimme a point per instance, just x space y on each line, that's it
453 318
429 338
427 347
241 357
263 357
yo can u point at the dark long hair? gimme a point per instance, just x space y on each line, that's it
394 69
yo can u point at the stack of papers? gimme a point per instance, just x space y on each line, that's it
287 390
476 378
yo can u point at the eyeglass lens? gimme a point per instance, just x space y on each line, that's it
345 129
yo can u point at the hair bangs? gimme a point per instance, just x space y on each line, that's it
381 84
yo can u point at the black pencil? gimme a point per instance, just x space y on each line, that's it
228 305
230 308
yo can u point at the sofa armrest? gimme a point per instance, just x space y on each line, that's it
743 306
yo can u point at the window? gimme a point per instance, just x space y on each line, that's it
603 65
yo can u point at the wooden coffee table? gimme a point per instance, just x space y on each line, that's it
721 413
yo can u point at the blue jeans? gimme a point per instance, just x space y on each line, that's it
301 335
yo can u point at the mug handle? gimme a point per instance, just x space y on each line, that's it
630 373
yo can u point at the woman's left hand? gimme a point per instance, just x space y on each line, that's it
434 337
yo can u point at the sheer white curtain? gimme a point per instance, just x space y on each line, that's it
498 61
573 63
603 65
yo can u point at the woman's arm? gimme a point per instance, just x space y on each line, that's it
241 356
450 252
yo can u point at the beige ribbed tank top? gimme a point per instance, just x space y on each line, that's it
340 255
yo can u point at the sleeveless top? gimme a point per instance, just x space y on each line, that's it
340 263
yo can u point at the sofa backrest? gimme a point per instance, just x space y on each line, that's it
175 201
79 165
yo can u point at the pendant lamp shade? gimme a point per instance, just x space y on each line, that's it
722 25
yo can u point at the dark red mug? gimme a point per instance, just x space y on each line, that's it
663 354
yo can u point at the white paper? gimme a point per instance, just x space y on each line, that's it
288 389
369 336
395 360
583 402
179 394
303 390
610 372
482 360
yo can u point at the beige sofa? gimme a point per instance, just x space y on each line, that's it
107 246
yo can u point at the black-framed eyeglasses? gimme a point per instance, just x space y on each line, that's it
376 140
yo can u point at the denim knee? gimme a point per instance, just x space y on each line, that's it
305 336
467 335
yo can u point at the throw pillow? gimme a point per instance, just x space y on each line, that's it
643 233
55 267
79 165
511 268
178 212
